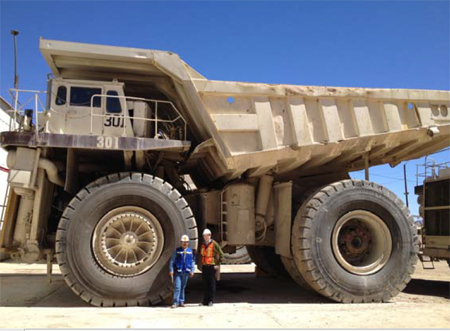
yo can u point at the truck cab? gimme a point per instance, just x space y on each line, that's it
95 108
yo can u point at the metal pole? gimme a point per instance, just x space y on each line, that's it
156 120
36 118
406 184
16 78
366 166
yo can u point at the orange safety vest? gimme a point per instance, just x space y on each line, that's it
207 253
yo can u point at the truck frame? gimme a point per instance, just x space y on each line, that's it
133 148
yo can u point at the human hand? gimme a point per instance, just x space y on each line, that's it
171 273
191 275
216 267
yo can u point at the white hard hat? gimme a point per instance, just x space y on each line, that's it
184 238
206 231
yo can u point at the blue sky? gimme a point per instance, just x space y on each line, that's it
399 44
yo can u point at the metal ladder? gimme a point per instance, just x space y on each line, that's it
3 206
423 261
223 218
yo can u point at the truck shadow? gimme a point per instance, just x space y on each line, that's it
436 288
34 290
245 287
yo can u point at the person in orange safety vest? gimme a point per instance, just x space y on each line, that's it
211 255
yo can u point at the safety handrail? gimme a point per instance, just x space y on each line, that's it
19 108
127 117
429 169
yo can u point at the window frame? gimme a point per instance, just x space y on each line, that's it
116 97
57 95
88 87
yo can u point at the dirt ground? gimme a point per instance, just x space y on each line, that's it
28 300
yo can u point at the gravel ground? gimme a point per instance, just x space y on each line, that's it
27 299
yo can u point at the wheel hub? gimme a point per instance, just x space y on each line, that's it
361 242
353 240
127 241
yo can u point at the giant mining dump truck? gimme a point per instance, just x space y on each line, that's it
128 149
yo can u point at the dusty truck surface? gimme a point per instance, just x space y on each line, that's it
103 166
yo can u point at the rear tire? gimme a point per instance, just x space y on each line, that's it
289 262
239 257
292 270
116 237
267 260
340 245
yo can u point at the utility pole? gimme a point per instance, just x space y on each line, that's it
406 185
16 77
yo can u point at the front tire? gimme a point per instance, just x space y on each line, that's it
355 241
116 237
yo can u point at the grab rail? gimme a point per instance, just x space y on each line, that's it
429 169
35 102
19 108
128 117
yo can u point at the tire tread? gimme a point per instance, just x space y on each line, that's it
61 234
301 238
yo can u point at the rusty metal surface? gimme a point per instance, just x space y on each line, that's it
55 140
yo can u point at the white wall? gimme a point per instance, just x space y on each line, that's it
4 126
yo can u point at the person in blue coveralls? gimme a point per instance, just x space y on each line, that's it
182 266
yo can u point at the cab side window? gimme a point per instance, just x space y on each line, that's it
81 96
113 103
61 96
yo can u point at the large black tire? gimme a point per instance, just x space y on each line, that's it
82 269
267 260
316 256
289 262
293 271
239 257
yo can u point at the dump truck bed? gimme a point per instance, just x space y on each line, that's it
254 128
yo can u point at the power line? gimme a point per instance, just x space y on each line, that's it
388 183
388 177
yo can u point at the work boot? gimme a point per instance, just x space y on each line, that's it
210 304
182 305
173 306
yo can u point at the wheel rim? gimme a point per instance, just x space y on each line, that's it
128 241
361 242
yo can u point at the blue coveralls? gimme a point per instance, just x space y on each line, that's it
182 264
